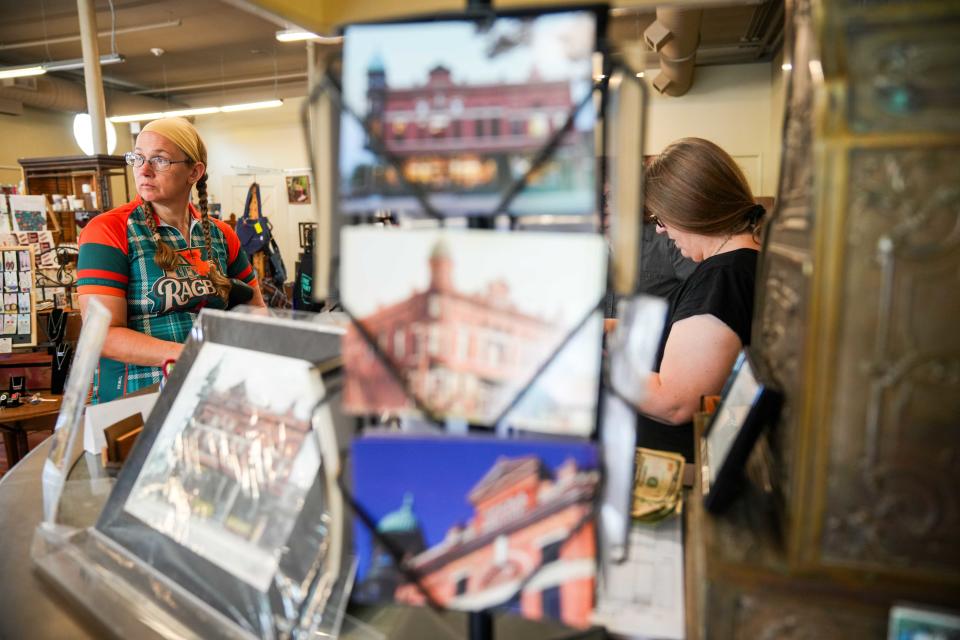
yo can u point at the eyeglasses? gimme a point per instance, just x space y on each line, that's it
657 222
159 163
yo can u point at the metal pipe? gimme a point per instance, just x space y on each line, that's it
675 36
100 34
58 94
96 106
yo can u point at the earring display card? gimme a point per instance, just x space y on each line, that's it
225 492
464 109
40 241
466 334
19 298
480 522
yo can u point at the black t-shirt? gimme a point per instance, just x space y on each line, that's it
721 286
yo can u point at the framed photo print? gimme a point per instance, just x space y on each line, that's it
298 189
228 493
747 406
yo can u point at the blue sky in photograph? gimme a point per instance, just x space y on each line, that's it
439 472
560 46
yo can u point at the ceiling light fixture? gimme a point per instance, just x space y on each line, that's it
20 72
298 35
198 111
249 106
295 35
58 65
77 63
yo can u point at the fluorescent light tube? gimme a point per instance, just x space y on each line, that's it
20 72
198 111
77 63
266 104
295 35
193 111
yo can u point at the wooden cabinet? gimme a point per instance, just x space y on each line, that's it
67 175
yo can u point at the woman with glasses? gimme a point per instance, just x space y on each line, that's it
157 261
697 196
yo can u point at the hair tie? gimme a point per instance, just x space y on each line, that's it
756 212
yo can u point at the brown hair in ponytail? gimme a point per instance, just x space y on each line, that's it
696 186
220 282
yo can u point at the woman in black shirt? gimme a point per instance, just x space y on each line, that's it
699 198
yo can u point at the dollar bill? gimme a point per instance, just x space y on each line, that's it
658 483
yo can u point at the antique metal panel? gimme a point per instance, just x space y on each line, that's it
906 75
783 290
761 615
889 504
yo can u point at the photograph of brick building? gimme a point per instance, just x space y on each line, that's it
510 526
465 127
468 336
231 482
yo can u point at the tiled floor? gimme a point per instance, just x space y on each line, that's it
34 438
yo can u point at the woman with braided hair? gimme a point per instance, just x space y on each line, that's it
157 261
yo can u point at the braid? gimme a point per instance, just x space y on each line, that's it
220 282
165 256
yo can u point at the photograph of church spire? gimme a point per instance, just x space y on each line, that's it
234 460
468 333
483 523
465 107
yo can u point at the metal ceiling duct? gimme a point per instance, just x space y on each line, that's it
57 94
675 35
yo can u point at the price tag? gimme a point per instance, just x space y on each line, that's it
6 345
258 227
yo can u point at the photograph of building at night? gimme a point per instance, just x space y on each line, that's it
463 128
510 526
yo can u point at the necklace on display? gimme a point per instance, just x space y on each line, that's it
63 350
54 327
722 245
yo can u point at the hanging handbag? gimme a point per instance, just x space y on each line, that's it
253 229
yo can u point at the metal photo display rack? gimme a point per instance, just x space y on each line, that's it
622 277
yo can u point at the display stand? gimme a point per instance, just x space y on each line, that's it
480 623
142 595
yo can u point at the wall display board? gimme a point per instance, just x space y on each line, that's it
460 110
19 290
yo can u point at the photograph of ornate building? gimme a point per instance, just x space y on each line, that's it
231 482
511 526
466 352
461 133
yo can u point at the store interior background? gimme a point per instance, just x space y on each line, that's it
738 106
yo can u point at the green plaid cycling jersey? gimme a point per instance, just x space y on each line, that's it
117 259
